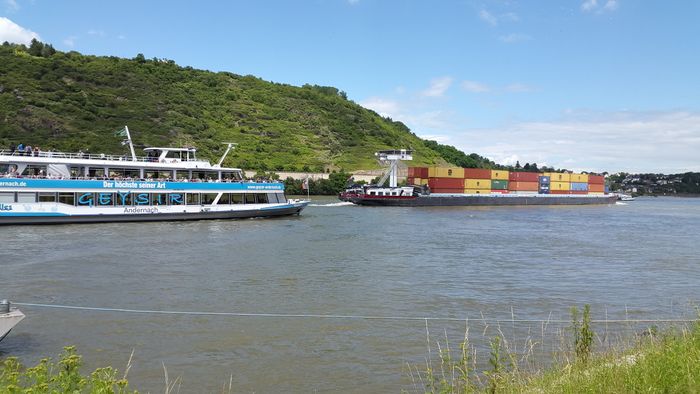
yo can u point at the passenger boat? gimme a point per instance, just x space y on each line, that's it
9 317
165 184
421 195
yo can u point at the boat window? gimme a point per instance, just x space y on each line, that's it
7 197
66 198
249 198
227 176
133 173
183 174
262 198
192 198
236 198
116 172
75 172
159 199
124 198
380 193
212 175
47 197
272 198
141 199
176 199
281 197
35 170
104 199
198 175
208 198
26 197
225 199
174 155
85 199
96 172
157 174
372 193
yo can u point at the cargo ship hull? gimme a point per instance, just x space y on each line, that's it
451 200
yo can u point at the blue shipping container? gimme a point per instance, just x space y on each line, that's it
579 186
544 180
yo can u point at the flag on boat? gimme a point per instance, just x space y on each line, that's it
121 133
305 184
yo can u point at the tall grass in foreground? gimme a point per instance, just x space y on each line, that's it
653 363
61 377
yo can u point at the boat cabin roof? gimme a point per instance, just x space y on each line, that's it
155 149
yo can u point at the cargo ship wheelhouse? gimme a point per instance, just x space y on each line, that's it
164 184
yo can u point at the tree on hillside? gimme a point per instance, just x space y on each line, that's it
36 47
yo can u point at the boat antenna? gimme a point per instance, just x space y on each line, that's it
229 146
131 145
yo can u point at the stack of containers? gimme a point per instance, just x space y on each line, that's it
560 183
544 182
417 176
477 181
579 184
596 184
523 182
499 181
446 179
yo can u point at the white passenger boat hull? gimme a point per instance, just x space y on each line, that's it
8 321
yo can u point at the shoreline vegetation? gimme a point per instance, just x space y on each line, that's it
650 361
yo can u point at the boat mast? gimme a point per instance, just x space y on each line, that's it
393 157
131 145
228 149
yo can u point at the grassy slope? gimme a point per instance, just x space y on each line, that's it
69 101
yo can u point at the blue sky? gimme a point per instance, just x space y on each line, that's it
603 85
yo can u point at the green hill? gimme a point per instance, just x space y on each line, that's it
70 102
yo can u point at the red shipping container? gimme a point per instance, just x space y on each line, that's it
559 192
477 173
524 176
423 173
578 191
499 191
596 187
596 180
418 172
523 186
410 180
450 191
411 172
456 184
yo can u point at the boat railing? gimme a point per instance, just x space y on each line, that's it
88 156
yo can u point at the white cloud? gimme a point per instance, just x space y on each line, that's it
94 32
438 87
475 87
441 138
11 5
12 32
488 17
593 5
384 107
70 41
665 142
519 88
514 38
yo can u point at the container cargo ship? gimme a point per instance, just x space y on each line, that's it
456 186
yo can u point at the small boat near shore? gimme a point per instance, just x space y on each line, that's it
9 317
39 187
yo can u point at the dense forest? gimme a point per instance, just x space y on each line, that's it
69 101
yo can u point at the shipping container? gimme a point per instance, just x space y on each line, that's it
578 186
477 191
592 187
447 190
446 172
559 192
596 193
477 173
499 191
522 192
558 176
523 186
477 184
498 184
418 172
410 180
453 184
544 180
579 178
578 191
524 176
596 179
499 174
560 186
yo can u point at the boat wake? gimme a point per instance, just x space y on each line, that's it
620 203
334 204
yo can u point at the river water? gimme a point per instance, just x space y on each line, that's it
636 260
